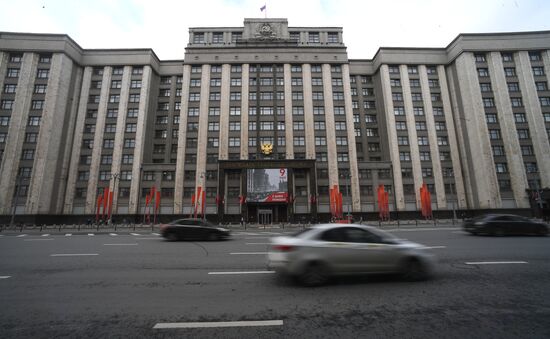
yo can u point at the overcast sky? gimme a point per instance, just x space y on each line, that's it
368 24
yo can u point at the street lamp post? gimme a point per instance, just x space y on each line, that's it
348 203
394 195
452 197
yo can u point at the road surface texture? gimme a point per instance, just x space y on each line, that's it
136 285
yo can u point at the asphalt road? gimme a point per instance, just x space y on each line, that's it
123 285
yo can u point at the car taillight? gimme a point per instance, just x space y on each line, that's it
283 248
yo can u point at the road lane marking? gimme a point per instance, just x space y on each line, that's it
219 324
68 235
244 253
73 254
258 243
91 234
494 262
434 247
137 234
242 272
421 229
155 233
256 238
45 235
119 244
37 239
113 234
21 235
5 276
157 238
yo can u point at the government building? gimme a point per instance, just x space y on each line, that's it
265 122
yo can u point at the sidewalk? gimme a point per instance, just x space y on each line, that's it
85 229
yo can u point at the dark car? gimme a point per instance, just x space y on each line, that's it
193 229
504 224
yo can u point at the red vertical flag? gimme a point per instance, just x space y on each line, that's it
110 204
203 205
157 204
105 201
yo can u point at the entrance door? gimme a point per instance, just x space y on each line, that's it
265 216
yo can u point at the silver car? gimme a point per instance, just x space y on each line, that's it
321 251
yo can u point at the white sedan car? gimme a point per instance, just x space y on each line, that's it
316 253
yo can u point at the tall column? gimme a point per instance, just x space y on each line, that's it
16 133
452 134
182 138
224 112
289 133
119 135
354 170
47 153
411 130
245 83
479 153
308 112
537 126
392 137
508 130
330 125
69 146
432 136
200 180
146 80
4 57
77 140
98 140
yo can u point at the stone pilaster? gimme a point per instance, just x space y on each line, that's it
533 111
182 138
392 137
411 129
484 178
308 112
508 130
224 112
245 85
330 125
143 107
200 179
432 137
354 170
16 133
77 140
91 194
119 135
289 133
452 134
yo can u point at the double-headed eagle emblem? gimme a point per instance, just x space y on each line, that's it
267 149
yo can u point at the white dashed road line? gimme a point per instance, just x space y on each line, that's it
245 253
45 235
155 233
73 254
37 239
494 262
119 244
5 276
113 234
242 272
21 235
219 324
91 234
157 238
68 235
256 238
136 234
434 247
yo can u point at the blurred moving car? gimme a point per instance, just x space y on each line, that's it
317 253
193 229
504 224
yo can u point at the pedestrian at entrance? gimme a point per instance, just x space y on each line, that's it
242 221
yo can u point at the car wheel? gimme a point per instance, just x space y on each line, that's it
213 237
542 231
314 274
171 236
414 270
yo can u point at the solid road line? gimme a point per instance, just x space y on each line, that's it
219 324
494 262
434 247
73 254
242 272
5 276
45 235
37 239
244 253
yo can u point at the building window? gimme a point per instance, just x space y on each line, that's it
418 111
37 104
523 133
213 126
234 111
313 37
234 126
298 125
134 98
109 143
215 96
510 71
541 86
129 143
491 118
420 125
34 121
399 110
498 150
516 102
402 140
395 83
513 87
538 71
43 73
12 73
544 101
527 150
442 141
425 156
480 57
520 117
132 113
531 167
131 128
488 102
27 154
507 57
404 156
485 87
423 141
194 96
299 141
319 125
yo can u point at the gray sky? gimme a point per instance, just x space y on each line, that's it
368 24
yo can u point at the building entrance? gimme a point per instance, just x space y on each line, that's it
265 217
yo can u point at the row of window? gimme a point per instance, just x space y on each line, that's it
412 69
42 58
41 73
266 69
509 57
511 71
114 98
422 141
432 83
